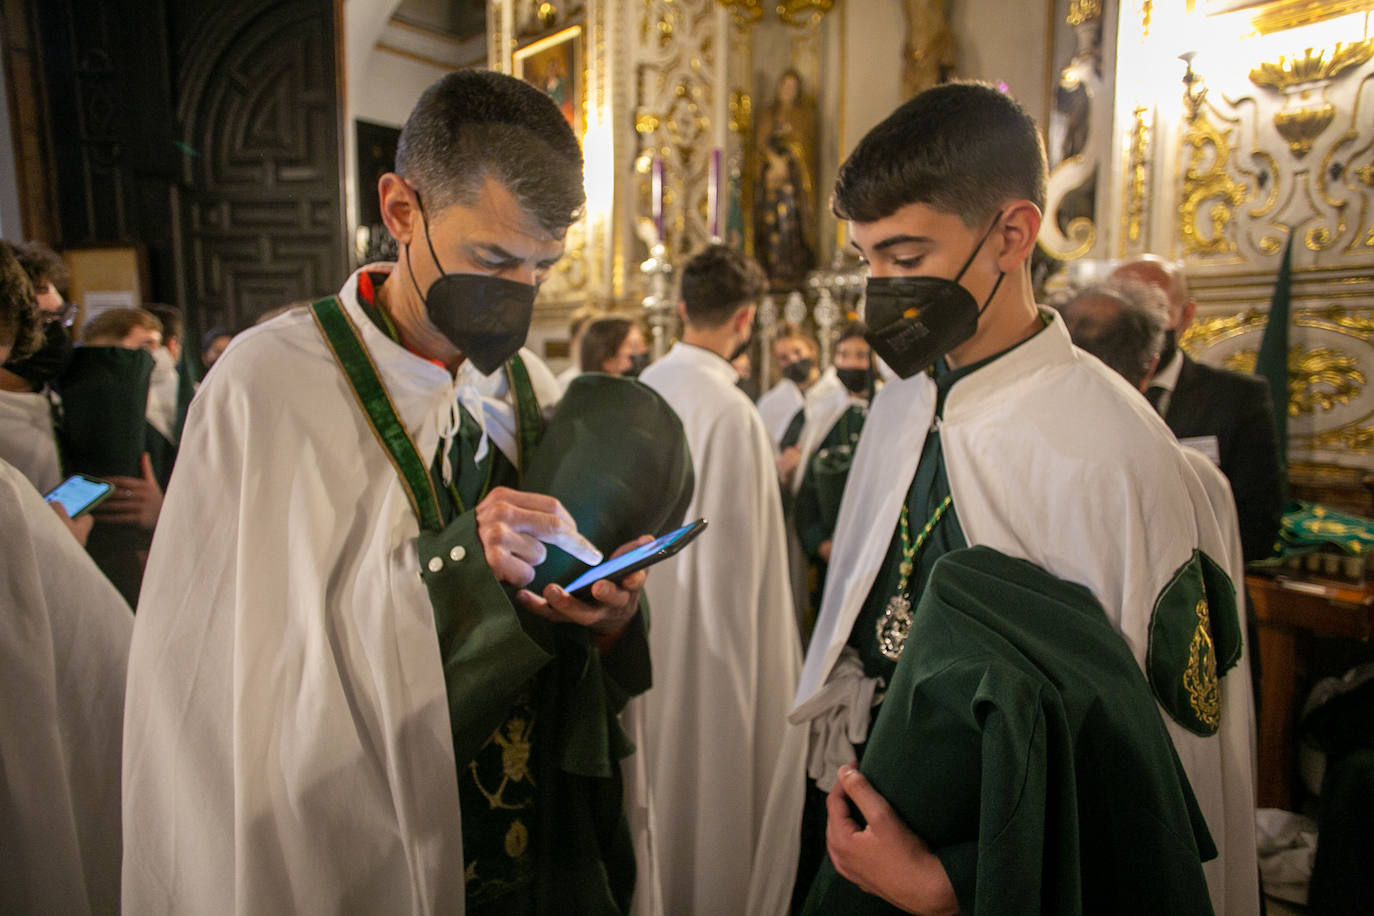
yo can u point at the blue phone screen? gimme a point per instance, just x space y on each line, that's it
76 493
611 567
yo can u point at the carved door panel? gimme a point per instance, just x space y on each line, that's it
259 208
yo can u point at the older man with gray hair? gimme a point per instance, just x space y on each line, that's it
1121 324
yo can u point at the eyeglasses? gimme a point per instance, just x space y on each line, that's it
66 314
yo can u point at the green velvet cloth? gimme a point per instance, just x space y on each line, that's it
817 504
615 454
104 432
533 705
1020 740
1309 527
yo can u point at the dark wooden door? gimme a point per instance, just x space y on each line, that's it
208 132
260 201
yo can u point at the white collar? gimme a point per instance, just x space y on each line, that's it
708 361
1167 377
1050 346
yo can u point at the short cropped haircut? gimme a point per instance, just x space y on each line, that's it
962 148
601 341
172 324
108 328
716 282
21 326
43 266
1121 324
475 124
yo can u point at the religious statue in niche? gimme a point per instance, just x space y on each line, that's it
785 193
928 56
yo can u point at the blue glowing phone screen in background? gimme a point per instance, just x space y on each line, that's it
76 493
611 567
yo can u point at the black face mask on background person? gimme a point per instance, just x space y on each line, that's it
799 371
1168 348
49 361
487 318
857 381
638 363
915 321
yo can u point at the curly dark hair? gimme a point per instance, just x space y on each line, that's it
20 324
43 265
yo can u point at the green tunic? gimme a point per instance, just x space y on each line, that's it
534 711
1020 740
929 488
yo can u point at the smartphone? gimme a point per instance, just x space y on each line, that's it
619 567
79 494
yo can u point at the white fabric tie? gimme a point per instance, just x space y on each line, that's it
464 393
839 715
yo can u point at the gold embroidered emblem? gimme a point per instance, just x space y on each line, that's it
514 741
1200 677
517 838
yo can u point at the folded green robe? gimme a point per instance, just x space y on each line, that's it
1021 741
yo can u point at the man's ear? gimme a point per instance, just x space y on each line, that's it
1016 239
682 311
1149 374
399 213
1186 319
744 318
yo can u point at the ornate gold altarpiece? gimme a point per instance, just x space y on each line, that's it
1210 132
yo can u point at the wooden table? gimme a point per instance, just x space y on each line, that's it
1289 611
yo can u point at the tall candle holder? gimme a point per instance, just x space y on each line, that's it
658 304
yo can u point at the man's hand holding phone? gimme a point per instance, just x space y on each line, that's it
615 604
514 526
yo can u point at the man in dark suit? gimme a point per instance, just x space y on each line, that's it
1225 415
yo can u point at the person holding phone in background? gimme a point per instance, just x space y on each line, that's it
725 646
64 643
335 696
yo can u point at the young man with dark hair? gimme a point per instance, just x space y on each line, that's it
725 646
998 434
336 702
64 642
28 439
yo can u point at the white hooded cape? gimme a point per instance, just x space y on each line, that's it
288 744
27 440
724 645
1054 459
64 641
777 407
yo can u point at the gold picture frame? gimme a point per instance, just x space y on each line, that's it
554 64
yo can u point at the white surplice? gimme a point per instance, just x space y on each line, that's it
27 440
1051 458
64 643
724 645
777 406
288 744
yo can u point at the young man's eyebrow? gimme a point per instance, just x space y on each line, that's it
892 240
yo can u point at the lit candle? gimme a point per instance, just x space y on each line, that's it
713 194
657 196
